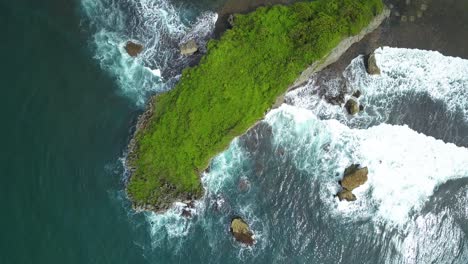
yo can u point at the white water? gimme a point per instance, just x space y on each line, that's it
405 73
404 166
157 24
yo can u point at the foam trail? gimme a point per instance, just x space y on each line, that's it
404 166
406 73
159 26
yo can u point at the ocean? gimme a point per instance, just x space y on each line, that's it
72 97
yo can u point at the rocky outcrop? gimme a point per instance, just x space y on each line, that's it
133 48
340 49
352 106
354 176
241 231
189 48
371 65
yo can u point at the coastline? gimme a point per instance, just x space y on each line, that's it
330 58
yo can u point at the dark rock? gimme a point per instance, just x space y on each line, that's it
371 65
352 106
361 108
357 94
189 48
133 48
241 231
186 213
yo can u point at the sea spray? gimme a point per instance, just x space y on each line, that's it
156 24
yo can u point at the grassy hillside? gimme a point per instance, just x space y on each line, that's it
234 85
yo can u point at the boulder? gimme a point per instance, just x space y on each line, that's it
371 66
346 195
357 93
354 177
352 106
133 48
189 48
241 231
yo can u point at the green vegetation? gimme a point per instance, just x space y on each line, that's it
234 85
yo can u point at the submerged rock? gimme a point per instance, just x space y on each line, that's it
371 65
241 231
133 48
189 48
354 176
352 106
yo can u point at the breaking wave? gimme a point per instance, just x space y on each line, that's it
159 26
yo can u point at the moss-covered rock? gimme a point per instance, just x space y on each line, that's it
241 231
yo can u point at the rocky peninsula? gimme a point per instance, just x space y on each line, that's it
243 74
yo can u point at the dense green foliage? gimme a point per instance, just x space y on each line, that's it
233 86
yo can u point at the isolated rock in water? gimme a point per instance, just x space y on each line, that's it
189 48
346 195
241 231
133 49
352 106
354 177
372 67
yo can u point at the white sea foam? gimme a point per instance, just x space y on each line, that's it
158 26
404 166
405 72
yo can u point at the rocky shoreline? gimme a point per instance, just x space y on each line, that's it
332 57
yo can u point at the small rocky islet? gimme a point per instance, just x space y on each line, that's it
354 176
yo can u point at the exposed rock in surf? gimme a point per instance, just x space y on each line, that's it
187 209
241 231
354 176
133 48
189 48
352 106
361 108
371 65
346 195
357 94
